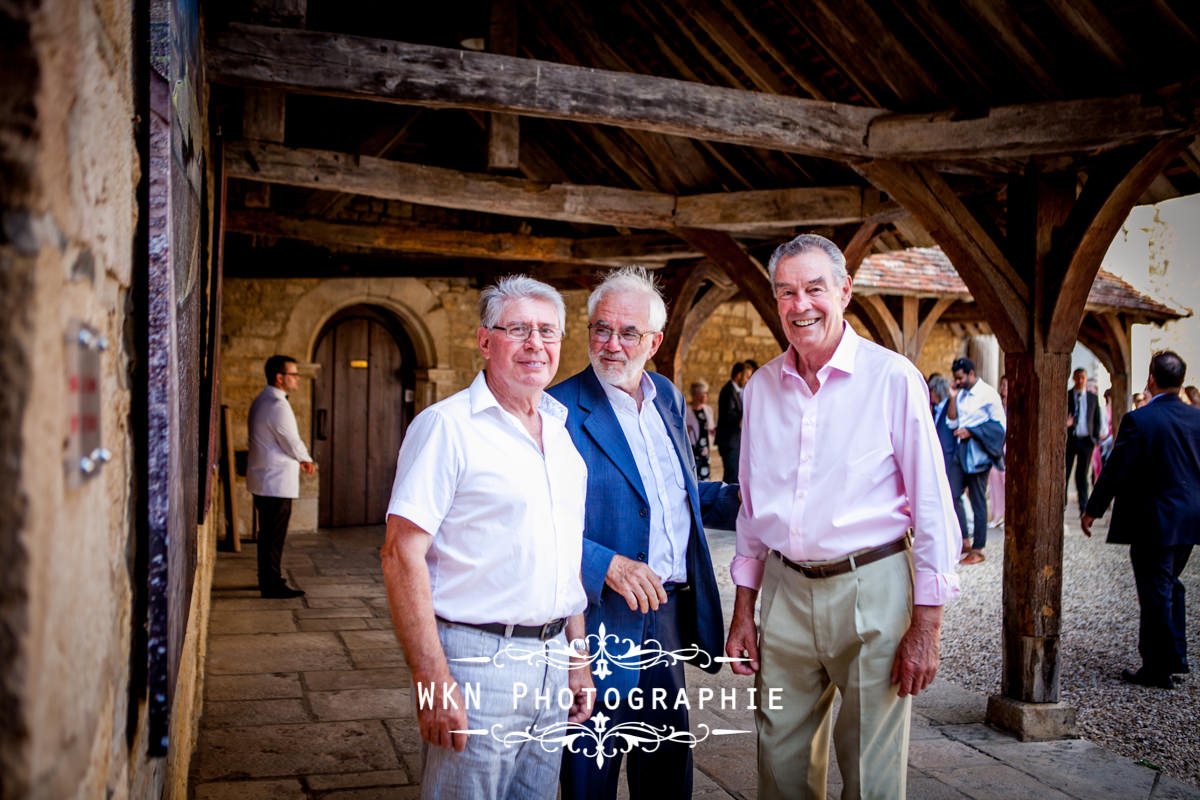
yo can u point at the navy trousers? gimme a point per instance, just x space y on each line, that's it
976 484
1162 632
665 772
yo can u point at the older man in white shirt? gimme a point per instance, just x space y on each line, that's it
277 457
482 560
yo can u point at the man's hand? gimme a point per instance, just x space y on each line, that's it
308 467
917 656
636 582
448 713
1070 420
1085 522
583 690
743 633
962 433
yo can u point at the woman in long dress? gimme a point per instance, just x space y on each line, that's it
701 427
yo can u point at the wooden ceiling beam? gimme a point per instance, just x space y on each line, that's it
409 239
389 71
597 205
744 211
503 130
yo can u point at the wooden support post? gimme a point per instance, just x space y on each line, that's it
504 130
263 121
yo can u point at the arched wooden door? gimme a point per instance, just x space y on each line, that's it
362 403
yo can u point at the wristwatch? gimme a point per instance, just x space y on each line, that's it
580 646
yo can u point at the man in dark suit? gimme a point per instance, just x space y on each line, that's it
1154 474
729 420
1083 432
646 566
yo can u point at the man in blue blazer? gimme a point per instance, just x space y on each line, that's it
1154 474
646 566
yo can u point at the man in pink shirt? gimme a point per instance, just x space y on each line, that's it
839 462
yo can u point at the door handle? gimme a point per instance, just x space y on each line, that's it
322 417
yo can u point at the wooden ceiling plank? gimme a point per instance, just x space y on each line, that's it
835 44
1091 26
389 71
1011 33
632 249
735 48
734 9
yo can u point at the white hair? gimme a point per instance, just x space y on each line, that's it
633 279
494 298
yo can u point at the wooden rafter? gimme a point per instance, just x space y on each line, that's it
980 261
746 273
772 208
1102 207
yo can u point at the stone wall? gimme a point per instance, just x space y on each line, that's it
263 317
68 172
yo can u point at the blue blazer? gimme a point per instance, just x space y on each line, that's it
617 521
1154 474
945 435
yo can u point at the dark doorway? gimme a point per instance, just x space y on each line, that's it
362 403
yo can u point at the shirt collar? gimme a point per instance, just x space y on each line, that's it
483 399
842 359
620 397
280 393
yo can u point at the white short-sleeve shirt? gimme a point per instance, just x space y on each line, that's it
506 518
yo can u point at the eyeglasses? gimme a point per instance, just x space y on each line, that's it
521 332
290 374
629 337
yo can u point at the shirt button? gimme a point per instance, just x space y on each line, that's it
641 556
641 512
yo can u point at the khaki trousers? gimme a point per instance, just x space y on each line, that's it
818 636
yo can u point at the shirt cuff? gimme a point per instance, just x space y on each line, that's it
934 588
747 571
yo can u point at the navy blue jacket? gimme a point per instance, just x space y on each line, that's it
617 521
945 435
1154 474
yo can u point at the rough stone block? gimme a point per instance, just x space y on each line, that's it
252 687
1032 722
285 750
361 704
277 652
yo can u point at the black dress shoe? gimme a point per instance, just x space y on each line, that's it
1144 678
1181 668
282 592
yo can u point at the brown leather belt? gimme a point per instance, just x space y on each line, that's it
848 563
543 632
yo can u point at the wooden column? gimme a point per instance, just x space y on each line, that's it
1032 286
504 130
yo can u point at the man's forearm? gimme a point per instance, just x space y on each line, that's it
410 600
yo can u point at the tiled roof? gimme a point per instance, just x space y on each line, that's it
927 271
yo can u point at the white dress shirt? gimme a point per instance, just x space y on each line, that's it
662 477
1079 400
506 518
276 451
977 405
849 468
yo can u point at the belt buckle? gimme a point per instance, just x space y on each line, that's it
508 631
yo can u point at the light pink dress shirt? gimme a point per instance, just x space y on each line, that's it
851 467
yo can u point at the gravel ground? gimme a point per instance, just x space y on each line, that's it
1099 638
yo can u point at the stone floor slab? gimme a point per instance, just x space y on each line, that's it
361 704
377 657
235 713
285 750
333 624
334 602
337 680
355 780
258 621
345 590
1077 767
254 602
995 782
260 686
275 652
923 787
389 793
942 753
364 640
259 790
360 611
